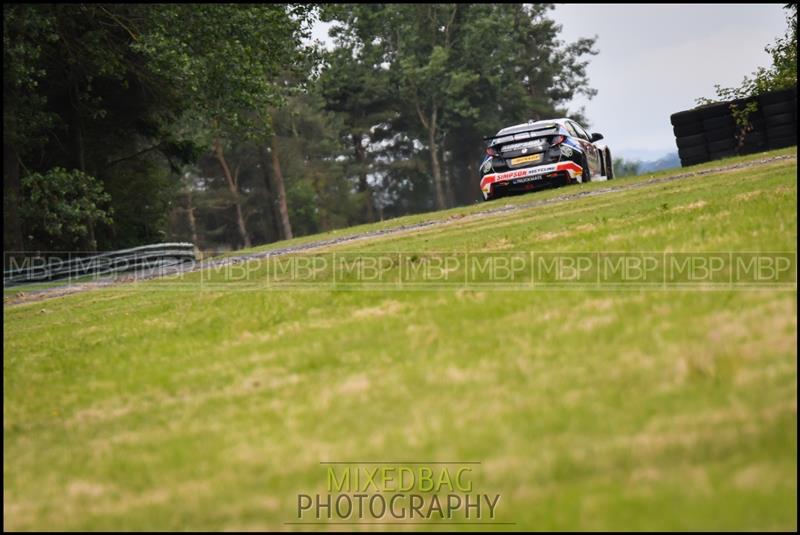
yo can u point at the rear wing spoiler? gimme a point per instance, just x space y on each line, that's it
524 134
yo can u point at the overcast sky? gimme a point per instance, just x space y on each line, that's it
655 60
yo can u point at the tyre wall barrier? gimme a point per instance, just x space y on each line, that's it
710 132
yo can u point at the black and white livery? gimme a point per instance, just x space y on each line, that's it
537 154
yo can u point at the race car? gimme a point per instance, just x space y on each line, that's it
539 154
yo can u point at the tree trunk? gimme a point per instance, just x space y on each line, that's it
363 185
234 191
472 191
448 187
12 223
433 148
280 189
436 168
80 156
273 225
92 238
192 222
77 131
464 165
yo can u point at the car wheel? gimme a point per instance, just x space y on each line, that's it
609 166
585 175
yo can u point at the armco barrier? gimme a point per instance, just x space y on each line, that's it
36 268
710 132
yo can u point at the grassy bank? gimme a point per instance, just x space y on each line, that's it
166 406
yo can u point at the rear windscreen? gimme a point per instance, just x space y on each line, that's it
522 136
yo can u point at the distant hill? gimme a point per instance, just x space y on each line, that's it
665 162
635 166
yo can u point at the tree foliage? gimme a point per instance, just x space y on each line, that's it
219 123
64 206
624 167
130 93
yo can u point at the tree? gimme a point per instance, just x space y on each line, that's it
77 97
62 207
361 95
214 123
229 61
624 167
108 89
782 74
783 71
450 88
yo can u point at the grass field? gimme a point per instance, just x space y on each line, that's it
184 406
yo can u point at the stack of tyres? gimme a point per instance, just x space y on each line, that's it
754 139
710 132
691 141
779 110
719 127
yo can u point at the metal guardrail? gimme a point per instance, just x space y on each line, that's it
38 268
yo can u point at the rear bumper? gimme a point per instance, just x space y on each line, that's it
529 177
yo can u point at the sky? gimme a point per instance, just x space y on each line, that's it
655 60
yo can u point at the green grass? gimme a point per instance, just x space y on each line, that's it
163 406
14 291
515 200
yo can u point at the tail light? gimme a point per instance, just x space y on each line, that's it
491 151
557 140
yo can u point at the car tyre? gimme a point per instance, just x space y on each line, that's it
774 97
691 141
686 162
682 118
778 108
585 175
779 119
725 121
711 111
781 131
720 133
688 129
718 155
609 167
693 152
781 142
722 144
